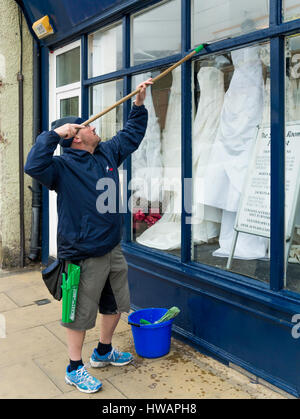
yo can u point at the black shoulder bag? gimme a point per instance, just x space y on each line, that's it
52 277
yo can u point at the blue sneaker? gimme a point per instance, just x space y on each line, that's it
114 357
82 380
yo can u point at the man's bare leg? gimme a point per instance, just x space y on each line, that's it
75 339
108 323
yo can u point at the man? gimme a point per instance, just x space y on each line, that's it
86 236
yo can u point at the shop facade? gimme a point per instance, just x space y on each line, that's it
210 199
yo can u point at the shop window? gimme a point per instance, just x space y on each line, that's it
292 162
105 51
291 9
156 32
68 67
219 19
231 161
156 167
101 97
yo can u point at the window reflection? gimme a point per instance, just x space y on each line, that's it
105 51
101 97
156 32
68 67
219 19
291 9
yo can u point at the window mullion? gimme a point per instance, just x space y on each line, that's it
84 76
277 266
126 110
275 8
186 134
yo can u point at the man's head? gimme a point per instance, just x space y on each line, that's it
85 139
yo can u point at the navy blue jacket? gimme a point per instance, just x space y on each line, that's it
82 231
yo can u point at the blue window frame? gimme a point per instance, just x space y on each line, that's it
275 34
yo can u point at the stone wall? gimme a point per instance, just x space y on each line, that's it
9 138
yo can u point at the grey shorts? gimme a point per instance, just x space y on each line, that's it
103 287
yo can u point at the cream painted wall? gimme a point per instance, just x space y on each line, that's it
9 155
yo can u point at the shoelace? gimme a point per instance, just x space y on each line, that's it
84 376
115 354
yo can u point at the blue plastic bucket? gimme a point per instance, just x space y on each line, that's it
151 340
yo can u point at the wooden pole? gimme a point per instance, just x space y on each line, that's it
136 91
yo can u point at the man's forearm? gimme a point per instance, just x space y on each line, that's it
39 164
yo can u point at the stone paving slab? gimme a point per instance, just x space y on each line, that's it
28 344
34 357
26 380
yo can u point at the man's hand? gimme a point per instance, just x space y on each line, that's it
140 97
68 130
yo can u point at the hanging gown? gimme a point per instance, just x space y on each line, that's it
241 114
206 219
166 233
147 166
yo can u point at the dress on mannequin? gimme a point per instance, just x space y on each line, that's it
166 233
206 219
146 160
241 114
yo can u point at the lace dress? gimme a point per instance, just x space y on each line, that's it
147 166
241 114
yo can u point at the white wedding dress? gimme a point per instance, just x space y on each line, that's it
166 233
241 114
206 219
147 166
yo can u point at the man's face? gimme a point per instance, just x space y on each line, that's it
88 136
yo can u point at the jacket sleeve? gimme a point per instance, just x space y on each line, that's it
40 164
127 140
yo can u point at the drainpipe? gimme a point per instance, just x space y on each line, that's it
20 79
36 186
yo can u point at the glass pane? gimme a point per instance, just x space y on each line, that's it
68 67
219 19
156 167
69 106
101 97
291 9
156 33
105 51
231 161
292 163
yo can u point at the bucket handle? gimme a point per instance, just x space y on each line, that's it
134 324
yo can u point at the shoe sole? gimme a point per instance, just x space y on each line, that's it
80 389
99 364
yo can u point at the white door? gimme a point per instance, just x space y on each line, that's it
64 100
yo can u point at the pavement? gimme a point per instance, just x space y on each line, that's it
34 357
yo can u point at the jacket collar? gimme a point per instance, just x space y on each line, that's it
79 153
